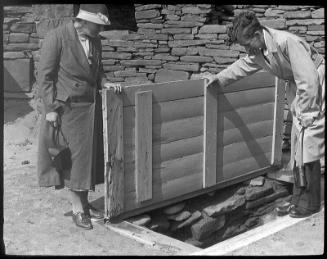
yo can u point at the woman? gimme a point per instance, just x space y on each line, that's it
69 75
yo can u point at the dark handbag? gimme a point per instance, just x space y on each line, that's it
60 154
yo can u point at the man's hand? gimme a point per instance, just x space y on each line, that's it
209 79
116 86
52 117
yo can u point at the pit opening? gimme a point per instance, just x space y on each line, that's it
211 218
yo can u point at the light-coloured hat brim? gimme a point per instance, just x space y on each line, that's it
97 18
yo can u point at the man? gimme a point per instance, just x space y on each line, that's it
290 58
70 74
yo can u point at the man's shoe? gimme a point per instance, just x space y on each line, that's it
284 209
94 214
296 213
81 220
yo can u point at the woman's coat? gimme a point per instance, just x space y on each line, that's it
69 85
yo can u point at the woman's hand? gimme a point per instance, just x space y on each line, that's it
52 118
116 86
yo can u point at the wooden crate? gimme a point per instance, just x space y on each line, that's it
166 142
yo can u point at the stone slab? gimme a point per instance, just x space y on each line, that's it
206 226
18 75
226 206
166 75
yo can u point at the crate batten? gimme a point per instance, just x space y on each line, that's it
114 153
217 137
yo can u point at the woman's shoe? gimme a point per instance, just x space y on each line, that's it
94 214
82 220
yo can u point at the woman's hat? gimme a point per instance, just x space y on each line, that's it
96 13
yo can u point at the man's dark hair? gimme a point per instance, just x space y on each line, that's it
245 23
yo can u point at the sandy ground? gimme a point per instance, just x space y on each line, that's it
34 220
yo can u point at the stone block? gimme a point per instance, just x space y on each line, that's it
14 55
217 52
225 206
195 18
316 27
21 46
319 13
173 17
147 7
178 51
138 44
141 220
206 226
162 50
179 225
273 12
258 181
18 75
165 57
18 37
186 43
165 75
150 25
274 23
213 29
305 22
108 68
23 27
199 59
140 62
183 37
118 43
146 14
256 192
220 60
192 67
109 62
266 199
182 24
297 15
195 10
116 55
206 36
176 30
322 33
180 216
191 51
174 208
45 25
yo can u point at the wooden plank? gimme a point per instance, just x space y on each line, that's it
167 91
170 131
143 145
167 171
244 116
171 150
250 148
210 136
276 154
168 111
248 98
112 106
258 80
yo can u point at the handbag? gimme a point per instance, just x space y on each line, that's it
60 154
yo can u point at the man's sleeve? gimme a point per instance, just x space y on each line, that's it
239 69
48 71
306 78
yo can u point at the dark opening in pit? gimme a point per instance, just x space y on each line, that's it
212 218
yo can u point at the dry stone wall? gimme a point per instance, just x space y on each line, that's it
172 42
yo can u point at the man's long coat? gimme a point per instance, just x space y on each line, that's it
294 60
69 85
